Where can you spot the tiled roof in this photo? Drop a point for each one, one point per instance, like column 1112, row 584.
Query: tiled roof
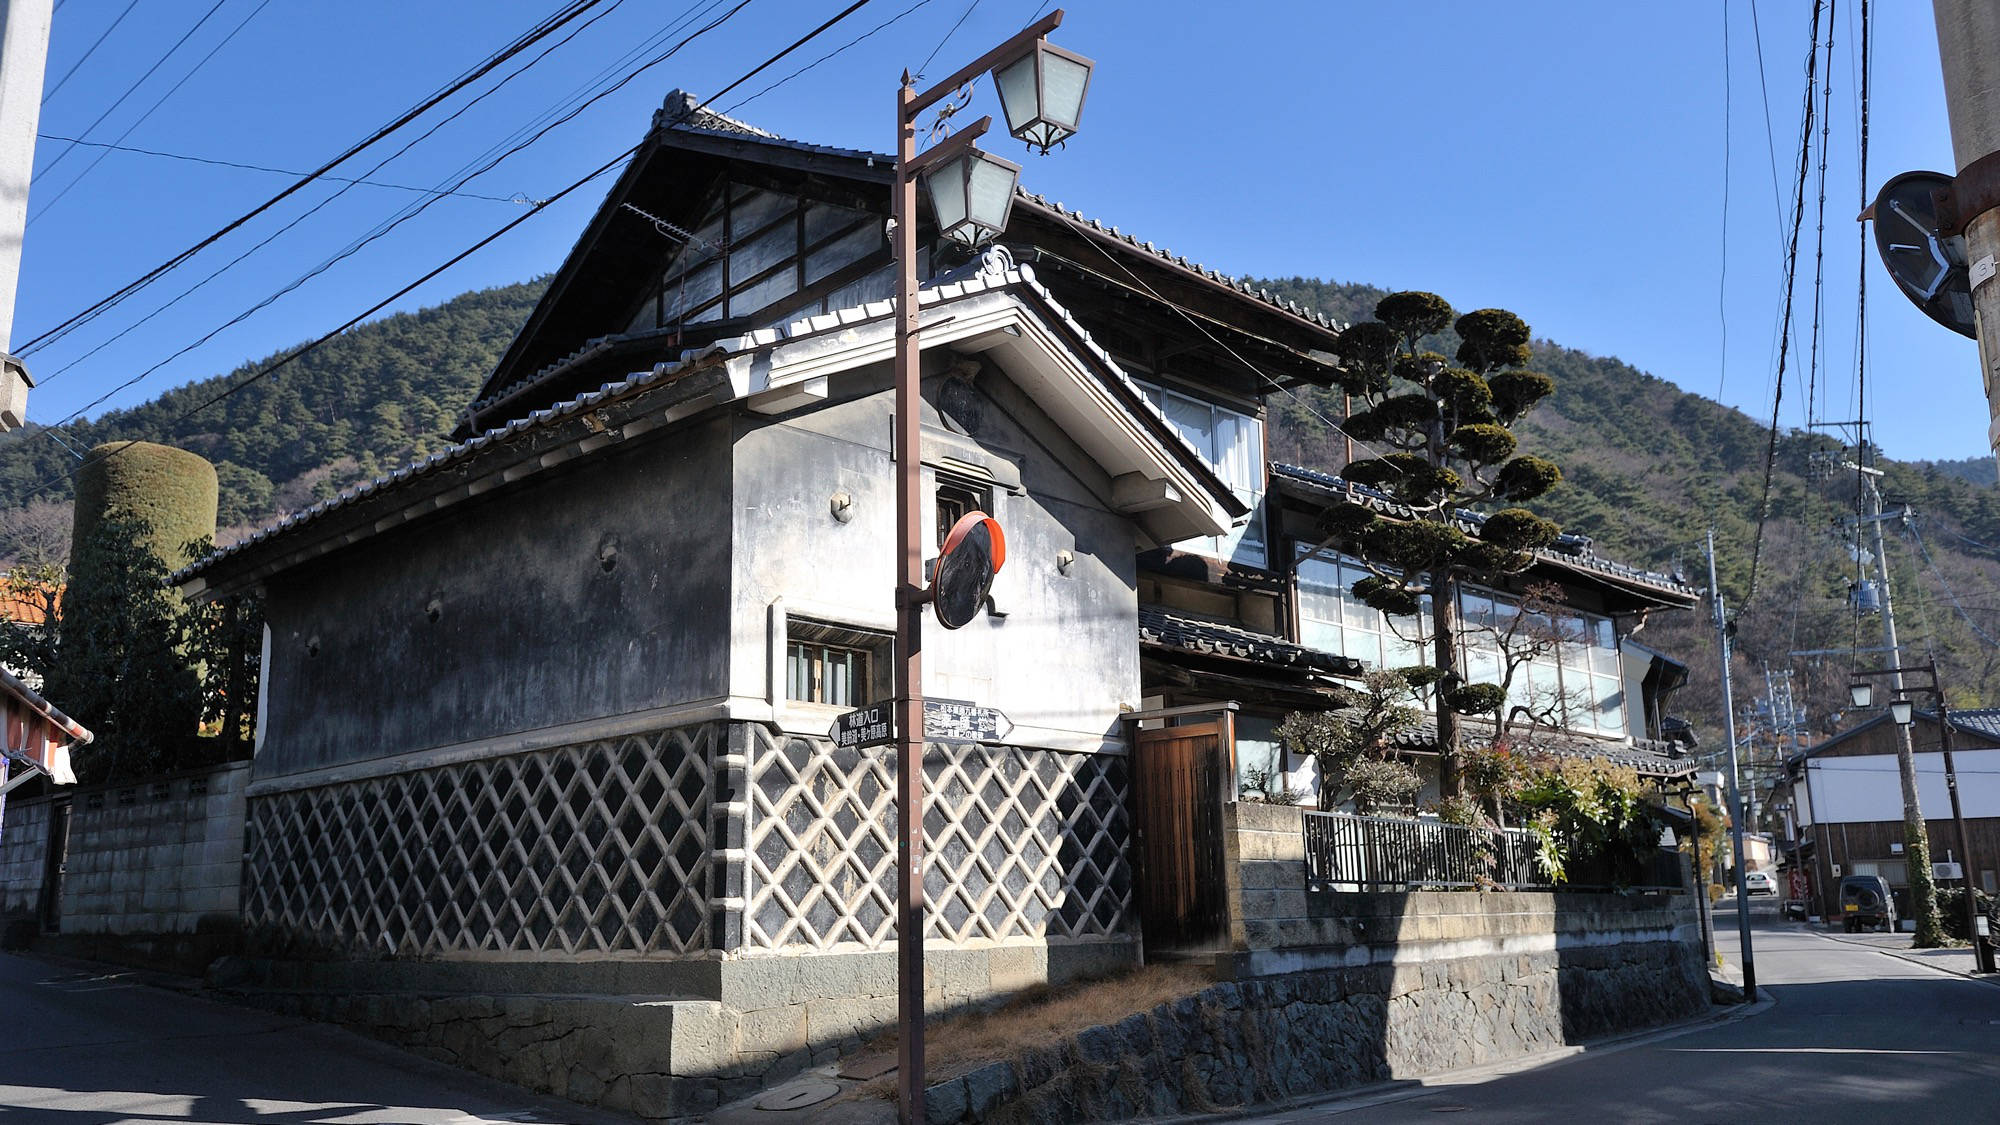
column 658, row 375
column 1569, row 550
column 27, row 607
column 1171, row 258
column 1021, row 277
column 1166, row 628
column 1649, row 758
column 1984, row 721
column 682, row 111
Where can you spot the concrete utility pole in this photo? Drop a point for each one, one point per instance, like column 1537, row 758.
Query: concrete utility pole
column 1916, row 838
column 24, row 49
column 1969, row 50
column 1723, row 646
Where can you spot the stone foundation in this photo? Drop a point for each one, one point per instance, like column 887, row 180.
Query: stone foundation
column 730, row 1028
column 1245, row 1042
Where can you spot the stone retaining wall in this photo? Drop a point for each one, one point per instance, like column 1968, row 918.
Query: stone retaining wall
column 1333, row 990
column 1243, row 1042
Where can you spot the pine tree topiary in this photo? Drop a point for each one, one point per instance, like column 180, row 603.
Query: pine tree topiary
column 1448, row 453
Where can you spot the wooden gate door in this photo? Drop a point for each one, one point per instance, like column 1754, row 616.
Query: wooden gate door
column 1178, row 785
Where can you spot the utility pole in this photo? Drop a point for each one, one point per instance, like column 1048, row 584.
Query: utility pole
column 24, row 51
column 1735, row 785
column 1969, row 50
column 1916, row 838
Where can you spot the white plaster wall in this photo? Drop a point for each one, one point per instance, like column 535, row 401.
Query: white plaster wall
column 1866, row 787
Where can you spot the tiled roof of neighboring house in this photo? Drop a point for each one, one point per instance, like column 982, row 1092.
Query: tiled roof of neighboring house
column 452, row 455
column 1981, row 721
column 1185, row 632
column 1649, row 758
column 1162, row 253
column 1570, row 550
column 26, row 607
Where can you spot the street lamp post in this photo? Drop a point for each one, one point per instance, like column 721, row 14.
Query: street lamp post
column 1903, row 713
column 1041, row 93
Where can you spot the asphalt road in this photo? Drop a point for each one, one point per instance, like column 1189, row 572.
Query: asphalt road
column 1855, row 1035
column 89, row 1047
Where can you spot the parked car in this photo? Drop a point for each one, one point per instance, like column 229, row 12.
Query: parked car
column 1759, row 883
column 1865, row 903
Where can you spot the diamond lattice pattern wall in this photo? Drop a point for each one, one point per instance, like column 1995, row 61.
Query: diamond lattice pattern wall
column 600, row 847
column 1022, row 843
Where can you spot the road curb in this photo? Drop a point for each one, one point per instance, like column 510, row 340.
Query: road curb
column 1903, row 955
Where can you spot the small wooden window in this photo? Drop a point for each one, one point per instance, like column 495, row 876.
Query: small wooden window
column 831, row 674
column 955, row 497
column 834, row 665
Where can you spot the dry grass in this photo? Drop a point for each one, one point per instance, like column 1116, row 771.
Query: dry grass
column 1045, row 1014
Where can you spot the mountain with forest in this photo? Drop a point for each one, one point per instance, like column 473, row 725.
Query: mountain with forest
column 376, row 397
column 1648, row 468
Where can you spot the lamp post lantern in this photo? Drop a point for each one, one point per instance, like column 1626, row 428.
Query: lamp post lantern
column 1903, row 711
column 971, row 196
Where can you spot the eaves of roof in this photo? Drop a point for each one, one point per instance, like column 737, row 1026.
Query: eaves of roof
column 33, row 701
column 683, row 112
column 1160, row 627
column 1979, row 722
column 1648, row 758
column 585, row 436
column 1573, row 553
column 682, row 118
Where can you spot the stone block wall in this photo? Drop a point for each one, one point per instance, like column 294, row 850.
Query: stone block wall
column 163, row 856
column 1278, row 925
column 1240, row 1043
column 24, row 839
column 154, row 857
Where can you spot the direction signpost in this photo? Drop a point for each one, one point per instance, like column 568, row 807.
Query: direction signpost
column 874, row 725
column 945, row 720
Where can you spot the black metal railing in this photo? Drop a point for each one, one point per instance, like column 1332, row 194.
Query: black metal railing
column 1379, row 852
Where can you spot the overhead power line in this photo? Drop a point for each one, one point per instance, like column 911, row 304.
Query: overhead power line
column 151, row 109
column 292, row 356
column 295, row 354
column 87, row 51
column 349, row 183
column 130, row 90
column 1785, row 324
column 217, row 162
column 383, row 229
column 570, row 10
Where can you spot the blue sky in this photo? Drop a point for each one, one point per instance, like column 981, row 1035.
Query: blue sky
column 1565, row 160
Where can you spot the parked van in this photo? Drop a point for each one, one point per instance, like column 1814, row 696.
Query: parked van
column 1865, row 904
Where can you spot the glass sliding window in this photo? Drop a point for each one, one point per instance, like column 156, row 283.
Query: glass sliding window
column 1332, row 619
column 1232, row 444
column 1574, row 679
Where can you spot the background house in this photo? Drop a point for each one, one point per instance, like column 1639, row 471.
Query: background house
column 1846, row 801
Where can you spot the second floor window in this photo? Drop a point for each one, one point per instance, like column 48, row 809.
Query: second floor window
column 1232, row 444
column 1567, row 671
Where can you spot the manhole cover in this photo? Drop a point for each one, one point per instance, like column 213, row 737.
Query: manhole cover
column 799, row 1095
